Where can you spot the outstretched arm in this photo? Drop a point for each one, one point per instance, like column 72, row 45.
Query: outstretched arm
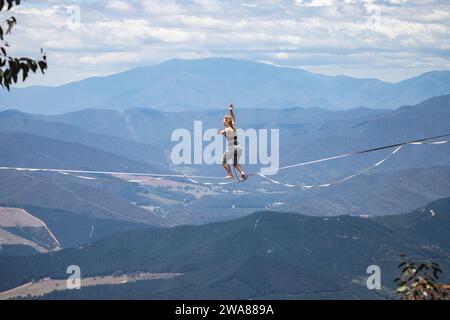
column 231, row 107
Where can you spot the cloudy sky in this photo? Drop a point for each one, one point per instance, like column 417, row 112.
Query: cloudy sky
column 387, row 39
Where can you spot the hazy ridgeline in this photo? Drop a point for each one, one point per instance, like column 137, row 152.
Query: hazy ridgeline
column 115, row 124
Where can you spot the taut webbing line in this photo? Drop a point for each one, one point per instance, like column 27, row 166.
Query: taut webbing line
column 419, row 141
column 302, row 186
column 192, row 178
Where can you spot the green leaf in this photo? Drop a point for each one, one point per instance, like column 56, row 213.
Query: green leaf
column 402, row 289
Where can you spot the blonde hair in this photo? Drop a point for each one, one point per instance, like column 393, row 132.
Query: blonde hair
column 229, row 121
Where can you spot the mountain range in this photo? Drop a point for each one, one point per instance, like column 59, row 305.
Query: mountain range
column 205, row 84
column 266, row 255
column 110, row 140
column 206, row 241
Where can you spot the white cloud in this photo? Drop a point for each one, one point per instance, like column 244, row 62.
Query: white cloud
column 320, row 3
column 118, row 5
column 346, row 35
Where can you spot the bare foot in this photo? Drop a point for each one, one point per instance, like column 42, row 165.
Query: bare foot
column 229, row 177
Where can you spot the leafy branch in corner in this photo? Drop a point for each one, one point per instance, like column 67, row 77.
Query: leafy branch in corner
column 420, row 281
column 12, row 67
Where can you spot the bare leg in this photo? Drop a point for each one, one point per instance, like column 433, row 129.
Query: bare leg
column 239, row 167
column 228, row 170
